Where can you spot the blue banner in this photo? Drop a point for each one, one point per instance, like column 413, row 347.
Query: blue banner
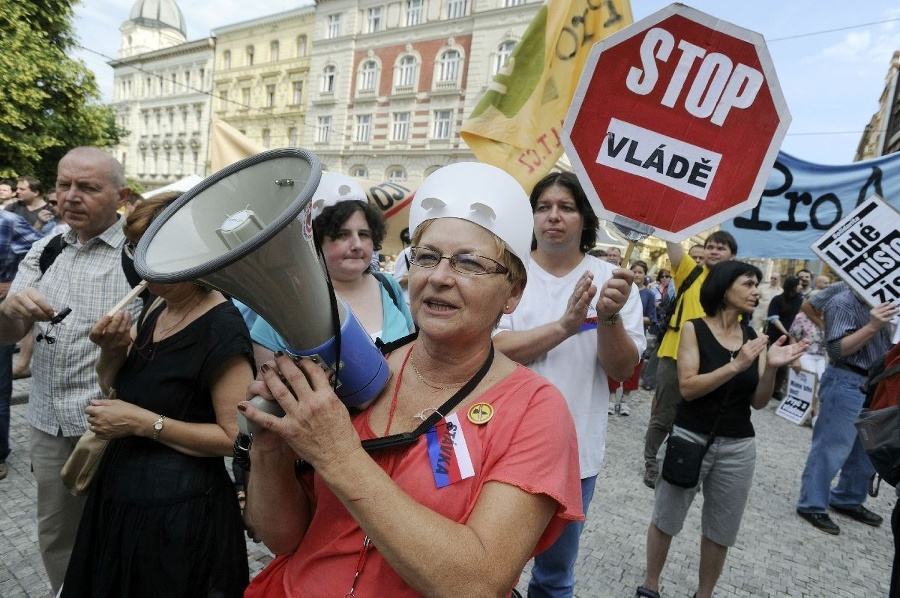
column 802, row 200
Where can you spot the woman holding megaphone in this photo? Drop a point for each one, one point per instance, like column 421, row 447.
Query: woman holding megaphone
column 456, row 510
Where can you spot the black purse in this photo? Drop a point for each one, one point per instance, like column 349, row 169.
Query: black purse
column 684, row 457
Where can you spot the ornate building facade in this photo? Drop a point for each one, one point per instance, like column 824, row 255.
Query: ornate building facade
column 261, row 76
column 393, row 81
column 882, row 135
column 162, row 95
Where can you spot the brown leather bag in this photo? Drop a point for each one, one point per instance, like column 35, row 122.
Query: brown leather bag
column 81, row 466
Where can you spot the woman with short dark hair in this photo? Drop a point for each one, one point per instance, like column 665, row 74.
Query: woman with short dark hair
column 724, row 369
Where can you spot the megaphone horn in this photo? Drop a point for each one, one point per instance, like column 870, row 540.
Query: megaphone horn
column 238, row 231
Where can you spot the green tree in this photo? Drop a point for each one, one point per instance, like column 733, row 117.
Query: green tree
column 49, row 102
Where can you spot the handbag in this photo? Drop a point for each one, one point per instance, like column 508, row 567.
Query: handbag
column 81, row 466
column 684, row 457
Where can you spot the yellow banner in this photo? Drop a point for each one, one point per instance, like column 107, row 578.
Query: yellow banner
column 516, row 126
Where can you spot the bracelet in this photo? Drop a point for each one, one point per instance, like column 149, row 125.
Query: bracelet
column 610, row 321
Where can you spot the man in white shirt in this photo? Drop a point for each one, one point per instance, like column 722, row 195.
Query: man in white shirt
column 579, row 321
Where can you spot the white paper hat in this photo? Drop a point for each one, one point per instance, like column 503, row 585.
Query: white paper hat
column 334, row 188
column 482, row 194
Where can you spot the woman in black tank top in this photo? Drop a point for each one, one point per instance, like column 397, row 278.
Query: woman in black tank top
column 724, row 369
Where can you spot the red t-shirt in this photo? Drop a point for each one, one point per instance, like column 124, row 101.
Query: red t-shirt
column 529, row 443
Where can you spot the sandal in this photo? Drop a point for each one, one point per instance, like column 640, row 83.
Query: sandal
column 643, row 592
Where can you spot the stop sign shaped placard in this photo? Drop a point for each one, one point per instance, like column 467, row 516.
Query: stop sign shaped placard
column 676, row 123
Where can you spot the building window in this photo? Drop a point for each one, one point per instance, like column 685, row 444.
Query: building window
column 456, row 8
column 323, row 129
column 297, row 93
column 334, row 26
column 202, row 77
column 187, row 79
column 328, row 77
column 293, row 137
column 373, row 20
column 448, row 71
column 442, row 121
column 250, row 52
column 359, row 172
column 367, row 75
column 503, row 54
column 301, row 46
column 266, row 138
column 400, row 126
column 509, row 3
column 273, row 51
column 406, row 72
column 226, row 59
column 270, row 96
column 414, row 10
column 245, row 97
column 396, row 174
column 363, row 127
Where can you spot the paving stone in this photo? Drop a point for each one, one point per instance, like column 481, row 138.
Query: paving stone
column 777, row 553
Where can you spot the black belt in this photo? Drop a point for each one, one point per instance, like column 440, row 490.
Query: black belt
column 843, row 365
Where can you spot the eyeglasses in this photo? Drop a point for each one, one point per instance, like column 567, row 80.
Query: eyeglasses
column 664, row 276
column 464, row 263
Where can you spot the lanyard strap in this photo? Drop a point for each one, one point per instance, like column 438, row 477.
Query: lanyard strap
column 406, row 438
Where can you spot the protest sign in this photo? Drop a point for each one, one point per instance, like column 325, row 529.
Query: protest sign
column 797, row 403
column 864, row 250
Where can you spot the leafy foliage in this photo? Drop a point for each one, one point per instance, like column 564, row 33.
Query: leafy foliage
column 49, row 102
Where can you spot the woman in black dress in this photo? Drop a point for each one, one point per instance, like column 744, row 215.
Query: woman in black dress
column 162, row 518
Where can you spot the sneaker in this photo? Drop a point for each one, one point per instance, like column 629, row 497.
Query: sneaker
column 3, row 470
column 624, row 409
column 611, row 410
column 650, row 478
column 860, row 513
column 822, row 522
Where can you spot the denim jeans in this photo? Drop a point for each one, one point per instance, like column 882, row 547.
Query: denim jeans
column 836, row 447
column 6, row 356
column 553, row 573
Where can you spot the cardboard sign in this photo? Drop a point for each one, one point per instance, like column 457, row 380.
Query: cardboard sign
column 864, row 250
column 797, row 403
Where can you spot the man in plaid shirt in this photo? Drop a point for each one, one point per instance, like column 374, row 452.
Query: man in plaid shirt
column 87, row 277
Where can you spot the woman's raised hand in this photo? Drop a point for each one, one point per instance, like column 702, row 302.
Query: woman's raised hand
column 750, row 351
column 782, row 354
column 112, row 333
column 316, row 425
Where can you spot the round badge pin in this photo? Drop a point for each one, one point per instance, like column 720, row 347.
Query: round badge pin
column 480, row 413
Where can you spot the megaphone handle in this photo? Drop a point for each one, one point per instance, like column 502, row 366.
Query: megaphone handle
column 271, row 407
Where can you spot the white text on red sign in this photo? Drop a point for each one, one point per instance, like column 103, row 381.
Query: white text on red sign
column 716, row 88
column 668, row 161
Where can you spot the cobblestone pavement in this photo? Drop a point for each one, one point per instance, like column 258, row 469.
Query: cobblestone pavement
column 777, row 553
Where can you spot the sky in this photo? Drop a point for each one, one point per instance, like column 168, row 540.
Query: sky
column 831, row 56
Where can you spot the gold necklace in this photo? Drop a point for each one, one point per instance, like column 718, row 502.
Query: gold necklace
column 165, row 332
column 424, row 381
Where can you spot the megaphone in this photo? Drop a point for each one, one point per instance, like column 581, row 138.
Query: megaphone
column 238, row 231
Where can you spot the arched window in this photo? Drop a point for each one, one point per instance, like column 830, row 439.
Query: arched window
column 273, row 51
column 406, row 72
column 448, row 71
column 396, row 174
column 359, row 171
column 367, row 75
column 503, row 54
column 329, row 74
column 226, row 59
column 250, row 52
column 301, row 46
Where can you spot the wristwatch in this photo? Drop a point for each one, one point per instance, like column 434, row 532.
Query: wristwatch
column 158, row 426
column 610, row 321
